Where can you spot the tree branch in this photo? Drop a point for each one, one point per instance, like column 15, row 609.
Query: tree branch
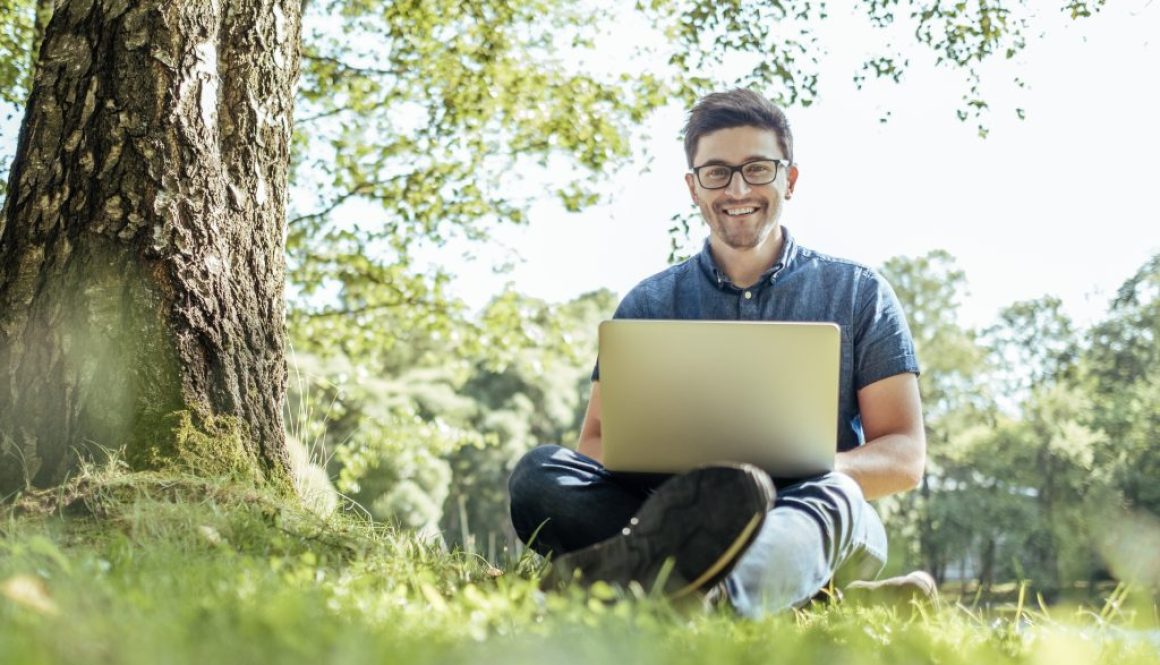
column 359, row 190
column 365, row 71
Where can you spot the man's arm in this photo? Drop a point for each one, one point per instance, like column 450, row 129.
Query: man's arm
column 590, row 431
column 894, row 455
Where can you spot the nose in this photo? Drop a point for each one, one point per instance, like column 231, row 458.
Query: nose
column 737, row 186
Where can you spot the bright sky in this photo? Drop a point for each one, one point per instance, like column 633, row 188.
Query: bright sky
column 1061, row 203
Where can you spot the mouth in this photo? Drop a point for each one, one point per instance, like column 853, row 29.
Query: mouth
column 738, row 211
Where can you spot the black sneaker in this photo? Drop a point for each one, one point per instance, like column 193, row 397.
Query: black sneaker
column 702, row 521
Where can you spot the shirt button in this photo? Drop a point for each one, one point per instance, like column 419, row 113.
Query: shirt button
column 748, row 295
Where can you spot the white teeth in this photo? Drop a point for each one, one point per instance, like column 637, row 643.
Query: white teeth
column 739, row 211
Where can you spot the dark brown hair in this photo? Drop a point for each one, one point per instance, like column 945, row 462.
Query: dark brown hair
column 736, row 108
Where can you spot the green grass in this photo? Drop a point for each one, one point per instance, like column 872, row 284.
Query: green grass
column 150, row 569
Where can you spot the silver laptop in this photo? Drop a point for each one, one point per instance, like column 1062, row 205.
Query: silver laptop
column 679, row 394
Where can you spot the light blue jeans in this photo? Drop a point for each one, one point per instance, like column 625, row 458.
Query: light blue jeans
column 818, row 529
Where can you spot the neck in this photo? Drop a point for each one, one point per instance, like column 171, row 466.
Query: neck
column 745, row 266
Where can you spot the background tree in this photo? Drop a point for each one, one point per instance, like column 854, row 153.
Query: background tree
column 539, row 397
column 22, row 24
column 1023, row 498
column 439, row 119
column 1033, row 343
column 1121, row 370
column 430, row 441
column 929, row 288
column 1033, row 350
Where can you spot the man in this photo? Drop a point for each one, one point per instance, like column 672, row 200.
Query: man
column 723, row 524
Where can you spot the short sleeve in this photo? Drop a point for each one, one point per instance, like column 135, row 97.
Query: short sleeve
column 883, row 345
column 633, row 306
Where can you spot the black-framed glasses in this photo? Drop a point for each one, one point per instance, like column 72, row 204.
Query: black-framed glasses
column 756, row 172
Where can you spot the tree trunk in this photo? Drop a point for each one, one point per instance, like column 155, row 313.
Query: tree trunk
column 927, row 545
column 987, row 567
column 1048, row 554
column 141, row 245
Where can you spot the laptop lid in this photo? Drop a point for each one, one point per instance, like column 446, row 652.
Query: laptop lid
column 680, row 394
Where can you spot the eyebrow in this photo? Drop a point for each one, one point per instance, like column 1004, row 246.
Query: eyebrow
column 751, row 158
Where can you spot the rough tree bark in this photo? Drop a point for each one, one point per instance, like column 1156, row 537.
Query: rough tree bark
column 141, row 245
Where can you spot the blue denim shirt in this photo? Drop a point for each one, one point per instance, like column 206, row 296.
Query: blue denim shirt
column 802, row 285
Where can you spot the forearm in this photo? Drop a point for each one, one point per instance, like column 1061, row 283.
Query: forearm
column 590, row 431
column 887, row 465
column 591, row 446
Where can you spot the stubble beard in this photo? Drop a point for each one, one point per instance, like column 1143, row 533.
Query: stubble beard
column 742, row 238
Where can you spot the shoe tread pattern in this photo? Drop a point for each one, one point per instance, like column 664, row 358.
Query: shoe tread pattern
column 695, row 519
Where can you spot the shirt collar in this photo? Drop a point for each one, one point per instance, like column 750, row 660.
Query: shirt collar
column 787, row 255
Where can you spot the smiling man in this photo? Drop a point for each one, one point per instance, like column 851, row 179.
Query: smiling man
column 760, row 543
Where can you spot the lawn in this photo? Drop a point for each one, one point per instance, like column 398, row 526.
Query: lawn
column 139, row 568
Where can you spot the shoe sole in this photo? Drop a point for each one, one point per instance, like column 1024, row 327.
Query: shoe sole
column 916, row 585
column 703, row 521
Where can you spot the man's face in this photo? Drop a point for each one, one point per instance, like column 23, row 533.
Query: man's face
column 740, row 215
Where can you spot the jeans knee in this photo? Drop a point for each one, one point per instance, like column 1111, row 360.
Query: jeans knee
column 869, row 532
column 528, row 471
column 527, row 486
column 833, row 491
column 837, row 503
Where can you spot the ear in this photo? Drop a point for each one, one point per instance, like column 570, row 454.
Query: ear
column 691, row 181
column 791, row 180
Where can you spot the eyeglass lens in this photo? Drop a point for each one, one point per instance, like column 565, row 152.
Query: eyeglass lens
column 716, row 176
